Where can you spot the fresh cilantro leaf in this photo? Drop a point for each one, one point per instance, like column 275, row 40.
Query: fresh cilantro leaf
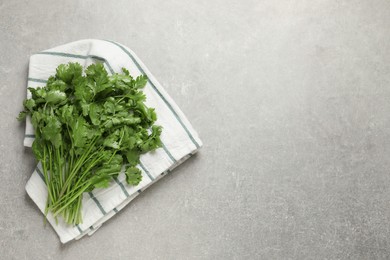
column 140, row 81
column 132, row 157
column 79, row 132
column 55, row 96
column 37, row 148
column 29, row 104
column 125, row 71
column 68, row 72
column 94, row 113
column 133, row 176
column 103, row 183
column 22, row 115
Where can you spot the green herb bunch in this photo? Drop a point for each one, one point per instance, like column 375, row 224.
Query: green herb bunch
column 87, row 127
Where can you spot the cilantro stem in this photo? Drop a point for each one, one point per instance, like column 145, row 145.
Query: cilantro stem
column 69, row 201
column 74, row 171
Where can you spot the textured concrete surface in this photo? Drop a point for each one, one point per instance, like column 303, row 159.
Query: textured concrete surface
column 292, row 101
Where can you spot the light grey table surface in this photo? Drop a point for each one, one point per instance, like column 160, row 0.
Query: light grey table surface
column 292, row 102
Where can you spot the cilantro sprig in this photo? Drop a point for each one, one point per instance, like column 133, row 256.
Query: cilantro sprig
column 88, row 126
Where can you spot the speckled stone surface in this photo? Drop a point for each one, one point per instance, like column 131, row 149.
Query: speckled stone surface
column 292, row 102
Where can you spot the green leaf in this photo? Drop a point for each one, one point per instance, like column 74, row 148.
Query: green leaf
column 63, row 73
column 52, row 131
column 152, row 115
column 82, row 92
column 140, row 81
column 153, row 141
column 112, row 166
column 98, row 73
column 55, row 96
column 22, row 115
column 132, row 157
column 109, row 107
column 68, row 72
column 58, row 85
column 37, row 93
column 29, row 104
column 79, row 132
column 103, row 183
column 37, row 148
column 94, row 113
column 37, row 119
column 84, row 108
column 125, row 71
column 110, row 142
column 65, row 114
column 133, row 176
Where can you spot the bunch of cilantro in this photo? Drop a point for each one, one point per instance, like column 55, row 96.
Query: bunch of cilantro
column 87, row 127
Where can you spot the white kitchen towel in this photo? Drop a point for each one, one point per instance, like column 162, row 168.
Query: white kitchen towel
column 179, row 139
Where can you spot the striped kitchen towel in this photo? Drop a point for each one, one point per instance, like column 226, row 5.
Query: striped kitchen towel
column 179, row 139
